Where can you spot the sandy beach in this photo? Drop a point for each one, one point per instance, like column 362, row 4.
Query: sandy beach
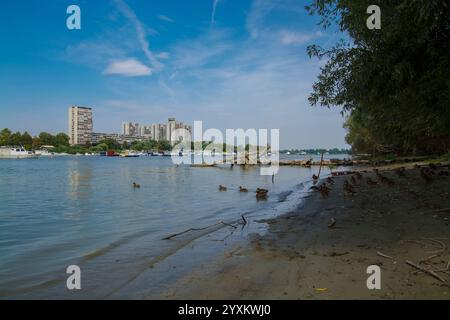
column 322, row 249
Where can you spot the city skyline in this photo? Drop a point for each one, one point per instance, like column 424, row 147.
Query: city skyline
column 242, row 65
column 80, row 129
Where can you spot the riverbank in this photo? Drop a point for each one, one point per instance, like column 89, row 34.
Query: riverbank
column 322, row 249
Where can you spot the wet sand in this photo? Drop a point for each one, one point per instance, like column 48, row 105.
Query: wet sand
column 301, row 257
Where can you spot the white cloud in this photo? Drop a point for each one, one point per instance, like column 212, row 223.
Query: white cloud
column 213, row 13
column 165, row 18
column 295, row 38
column 141, row 33
column 162, row 55
column 128, row 68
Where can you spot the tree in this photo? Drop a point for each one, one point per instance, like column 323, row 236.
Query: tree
column 164, row 145
column 111, row 143
column 392, row 84
column 36, row 143
column 16, row 139
column 61, row 139
column 46, row 138
column 5, row 137
column 26, row 140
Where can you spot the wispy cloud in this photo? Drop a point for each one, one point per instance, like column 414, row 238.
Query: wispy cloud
column 297, row 38
column 213, row 13
column 141, row 34
column 257, row 19
column 162, row 55
column 128, row 68
column 207, row 49
column 165, row 18
column 259, row 9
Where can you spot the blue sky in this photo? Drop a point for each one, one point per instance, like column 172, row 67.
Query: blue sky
column 230, row 63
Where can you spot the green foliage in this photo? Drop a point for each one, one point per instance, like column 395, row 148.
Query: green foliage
column 317, row 151
column 5, row 137
column 392, row 84
column 111, row 143
column 164, row 145
column 46, row 138
column 61, row 139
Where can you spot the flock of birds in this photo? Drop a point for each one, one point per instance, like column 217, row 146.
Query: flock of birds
column 260, row 192
column 426, row 172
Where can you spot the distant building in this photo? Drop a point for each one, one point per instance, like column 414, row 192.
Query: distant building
column 97, row 137
column 130, row 129
column 80, row 125
column 145, row 131
column 170, row 128
column 158, row 131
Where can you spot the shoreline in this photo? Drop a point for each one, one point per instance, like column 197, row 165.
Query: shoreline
column 301, row 257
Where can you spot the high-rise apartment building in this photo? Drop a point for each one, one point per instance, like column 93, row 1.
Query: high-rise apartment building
column 80, row 125
column 171, row 123
column 158, row 131
column 130, row 129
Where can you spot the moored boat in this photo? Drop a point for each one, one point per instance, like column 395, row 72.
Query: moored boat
column 16, row 153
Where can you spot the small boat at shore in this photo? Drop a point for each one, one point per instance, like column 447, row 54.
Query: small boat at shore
column 16, row 153
column 129, row 154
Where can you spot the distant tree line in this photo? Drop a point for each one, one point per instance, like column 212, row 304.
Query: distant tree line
column 392, row 84
column 318, row 151
column 8, row 138
column 60, row 143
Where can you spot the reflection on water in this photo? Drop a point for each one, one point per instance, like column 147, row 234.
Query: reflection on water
column 80, row 176
column 84, row 210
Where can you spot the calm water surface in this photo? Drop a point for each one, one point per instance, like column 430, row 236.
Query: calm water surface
column 59, row 211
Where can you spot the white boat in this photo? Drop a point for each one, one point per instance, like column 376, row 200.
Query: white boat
column 44, row 153
column 129, row 154
column 16, row 153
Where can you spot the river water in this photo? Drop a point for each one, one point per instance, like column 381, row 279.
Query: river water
column 79, row 210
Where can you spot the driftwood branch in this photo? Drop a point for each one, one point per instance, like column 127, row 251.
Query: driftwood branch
column 430, row 272
column 228, row 224
column 381, row 254
column 188, row 230
column 243, row 222
column 321, row 162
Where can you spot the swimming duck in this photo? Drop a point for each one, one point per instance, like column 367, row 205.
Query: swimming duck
column 242, row 189
column 222, row 188
column 136, row 186
column 261, row 193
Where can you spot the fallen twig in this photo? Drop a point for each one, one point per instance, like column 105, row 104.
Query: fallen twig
column 384, row 255
column 228, row 224
column 429, row 258
column 443, row 246
column 430, row 272
column 188, row 230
